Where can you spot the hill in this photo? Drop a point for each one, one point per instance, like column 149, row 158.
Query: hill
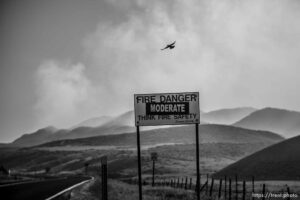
column 280, row 161
column 209, row 133
column 284, row 122
column 94, row 122
column 123, row 123
column 220, row 146
column 125, row 119
column 107, row 126
column 226, row 116
column 44, row 134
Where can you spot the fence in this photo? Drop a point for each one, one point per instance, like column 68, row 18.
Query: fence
column 226, row 188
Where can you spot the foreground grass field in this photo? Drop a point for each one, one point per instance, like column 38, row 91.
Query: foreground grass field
column 174, row 161
column 118, row 190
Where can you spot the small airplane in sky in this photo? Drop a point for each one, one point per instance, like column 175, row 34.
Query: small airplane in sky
column 170, row 46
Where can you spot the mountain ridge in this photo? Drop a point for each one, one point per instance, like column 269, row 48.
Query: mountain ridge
column 281, row 121
column 227, row 115
column 209, row 133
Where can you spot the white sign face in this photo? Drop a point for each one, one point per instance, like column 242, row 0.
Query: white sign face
column 166, row 109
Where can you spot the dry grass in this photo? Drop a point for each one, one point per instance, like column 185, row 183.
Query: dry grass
column 86, row 191
column 118, row 190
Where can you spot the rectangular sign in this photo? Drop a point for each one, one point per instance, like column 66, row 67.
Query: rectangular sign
column 166, row 109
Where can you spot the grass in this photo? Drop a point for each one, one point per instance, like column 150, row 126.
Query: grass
column 118, row 190
column 173, row 161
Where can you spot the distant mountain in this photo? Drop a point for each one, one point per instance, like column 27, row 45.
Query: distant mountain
column 120, row 124
column 226, row 116
column 38, row 137
column 94, row 122
column 125, row 119
column 284, row 122
column 44, row 135
column 280, row 161
column 181, row 134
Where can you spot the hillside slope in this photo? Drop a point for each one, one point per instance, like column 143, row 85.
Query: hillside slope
column 280, row 161
column 181, row 134
column 120, row 124
column 284, row 122
column 226, row 116
column 94, row 122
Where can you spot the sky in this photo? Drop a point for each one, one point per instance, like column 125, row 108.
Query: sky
column 64, row 61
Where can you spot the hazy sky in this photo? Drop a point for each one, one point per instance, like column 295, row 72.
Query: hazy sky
column 63, row 61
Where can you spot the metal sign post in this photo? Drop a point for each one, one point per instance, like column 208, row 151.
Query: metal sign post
column 167, row 109
column 197, row 162
column 139, row 162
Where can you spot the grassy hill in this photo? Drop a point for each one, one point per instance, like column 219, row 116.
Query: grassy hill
column 94, row 122
column 209, row 133
column 105, row 125
column 220, row 146
column 284, row 122
column 280, row 161
column 226, row 116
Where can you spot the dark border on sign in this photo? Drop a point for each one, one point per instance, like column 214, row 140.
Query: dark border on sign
column 165, row 94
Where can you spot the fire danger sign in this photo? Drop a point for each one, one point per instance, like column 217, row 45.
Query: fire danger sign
column 166, row 109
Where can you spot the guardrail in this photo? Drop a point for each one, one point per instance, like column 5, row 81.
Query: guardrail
column 68, row 190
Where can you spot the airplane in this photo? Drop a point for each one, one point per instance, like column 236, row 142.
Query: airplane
column 170, row 46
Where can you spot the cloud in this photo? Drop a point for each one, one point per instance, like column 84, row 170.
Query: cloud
column 226, row 50
column 233, row 52
column 65, row 95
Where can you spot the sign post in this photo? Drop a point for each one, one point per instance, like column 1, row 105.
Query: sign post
column 167, row 109
column 139, row 162
column 197, row 162
column 153, row 158
column 104, row 177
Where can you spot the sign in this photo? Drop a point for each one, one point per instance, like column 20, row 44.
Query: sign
column 166, row 109
column 103, row 160
column 154, row 156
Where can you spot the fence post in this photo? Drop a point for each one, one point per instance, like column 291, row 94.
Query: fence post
column 236, row 188
column 288, row 191
column 178, row 182
column 206, row 184
column 190, row 183
column 244, row 190
column 181, row 185
column 252, row 187
column 211, row 187
column 186, row 181
column 229, row 188
column 220, row 188
column 225, row 187
column 264, row 191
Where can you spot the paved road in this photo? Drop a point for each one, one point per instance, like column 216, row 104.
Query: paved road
column 39, row 190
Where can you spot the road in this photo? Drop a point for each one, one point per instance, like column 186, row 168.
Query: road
column 38, row 190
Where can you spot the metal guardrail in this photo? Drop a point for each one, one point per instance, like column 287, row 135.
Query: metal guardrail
column 68, row 189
